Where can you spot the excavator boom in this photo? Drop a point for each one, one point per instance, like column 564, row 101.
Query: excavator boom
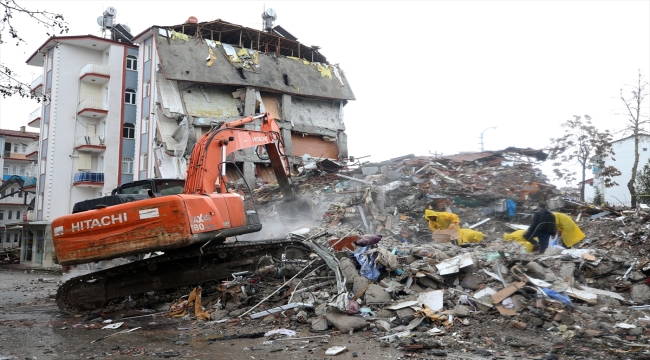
column 214, row 147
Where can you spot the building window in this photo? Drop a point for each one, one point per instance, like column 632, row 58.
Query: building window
column 147, row 52
column 16, row 237
column 16, row 148
column 128, row 131
column 1, row 236
column 24, row 148
column 22, row 170
column 129, row 96
column 15, row 169
column 5, row 170
column 132, row 62
column 143, row 162
column 127, row 165
column 2, row 214
column 20, row 193
column 10, row 214
column 18, row 215
column 145, row 124
column 147, row 88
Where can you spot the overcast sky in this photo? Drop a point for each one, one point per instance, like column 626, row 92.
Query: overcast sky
column 428, row 76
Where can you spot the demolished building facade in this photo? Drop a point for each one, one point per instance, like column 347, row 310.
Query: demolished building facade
column 196, row 75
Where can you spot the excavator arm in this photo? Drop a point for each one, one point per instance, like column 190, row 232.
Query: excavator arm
column 207, row 169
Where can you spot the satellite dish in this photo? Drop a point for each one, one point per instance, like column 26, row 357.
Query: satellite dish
column 269, row 14
column 100, row 21
column 110, row 11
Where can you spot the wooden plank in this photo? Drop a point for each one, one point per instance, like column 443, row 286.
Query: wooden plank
column 507, row 291
column 270, row 101
column 314, row 146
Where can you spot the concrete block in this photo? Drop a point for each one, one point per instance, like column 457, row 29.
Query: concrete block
column 376, row 294
column 640, row 293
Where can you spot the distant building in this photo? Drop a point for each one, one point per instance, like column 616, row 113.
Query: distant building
column 86, row 125
column 196, row 74
column 624, row 154
column 18, row 187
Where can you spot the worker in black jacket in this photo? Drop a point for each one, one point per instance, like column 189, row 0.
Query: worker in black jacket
column 542, row 227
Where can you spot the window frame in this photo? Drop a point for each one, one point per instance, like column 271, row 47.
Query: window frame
column 143, row 161
column 145, row 124
column 128, row 129
column 127, row 166
column 130, row 96
column 132, row 60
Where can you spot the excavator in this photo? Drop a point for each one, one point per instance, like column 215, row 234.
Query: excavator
column 189, row 229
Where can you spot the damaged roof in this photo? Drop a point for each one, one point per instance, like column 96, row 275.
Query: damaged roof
column 276, row 62
column 538, row 155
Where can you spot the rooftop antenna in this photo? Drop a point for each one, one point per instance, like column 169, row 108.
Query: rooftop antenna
column 107, row 20
column 269, row 17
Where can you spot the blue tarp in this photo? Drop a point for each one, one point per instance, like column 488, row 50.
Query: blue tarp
column 27, row 180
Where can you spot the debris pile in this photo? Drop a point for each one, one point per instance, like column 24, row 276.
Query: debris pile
column 10, row 255
column 375, row 266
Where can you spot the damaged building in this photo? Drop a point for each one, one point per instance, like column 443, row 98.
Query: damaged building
column 196, row 75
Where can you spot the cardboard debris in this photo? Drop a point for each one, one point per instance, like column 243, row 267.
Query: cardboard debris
column 505, row 311
column 507, row 291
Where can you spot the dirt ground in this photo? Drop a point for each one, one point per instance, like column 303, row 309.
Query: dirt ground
column 32, row 327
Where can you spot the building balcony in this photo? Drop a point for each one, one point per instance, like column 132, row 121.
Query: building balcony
column 90, row 143
column 32, row 151
column 8, row 155
column 92, row 108
column 34, row 119
column 89, row 179
column 36, row 87
column 94, row 74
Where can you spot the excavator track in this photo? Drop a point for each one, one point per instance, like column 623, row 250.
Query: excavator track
column 167, row 277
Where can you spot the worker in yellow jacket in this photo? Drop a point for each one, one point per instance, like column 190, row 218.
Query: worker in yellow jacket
column 518, row 236
column 470, row 236
column 441, row 220
column 571, row 233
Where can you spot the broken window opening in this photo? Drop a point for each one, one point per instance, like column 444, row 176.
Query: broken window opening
column 285, row 77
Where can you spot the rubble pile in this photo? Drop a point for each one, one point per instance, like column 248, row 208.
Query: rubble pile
column 10, row 255
column 375, row 267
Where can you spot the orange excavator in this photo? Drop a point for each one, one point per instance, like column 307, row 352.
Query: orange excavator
column 190, row 228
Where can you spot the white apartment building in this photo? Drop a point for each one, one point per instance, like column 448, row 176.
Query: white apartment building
column 624, row 154
column 86, row 126
column 16, row 193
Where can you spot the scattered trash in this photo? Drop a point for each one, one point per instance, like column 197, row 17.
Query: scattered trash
column 335, row 350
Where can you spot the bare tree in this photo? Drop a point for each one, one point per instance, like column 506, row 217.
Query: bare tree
column 53, row 23
column 582, row 145
column 634, row 96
